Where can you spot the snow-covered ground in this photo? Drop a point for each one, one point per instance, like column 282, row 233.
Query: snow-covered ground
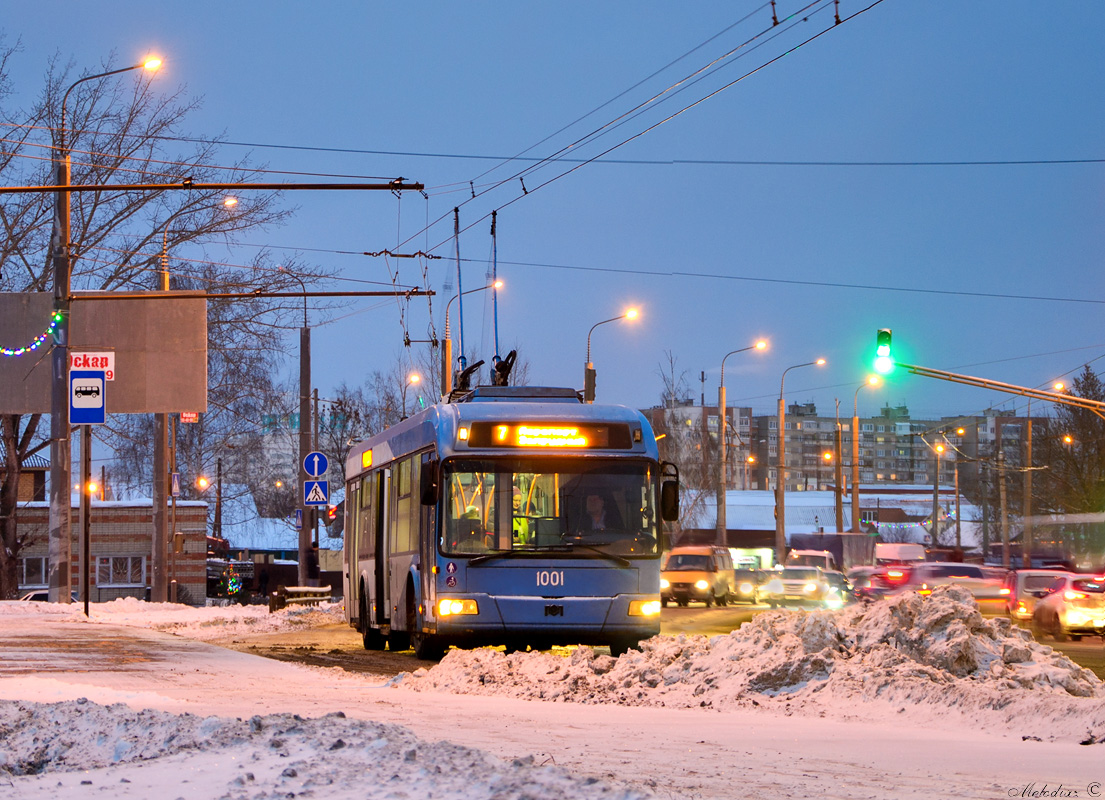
column 910, row 697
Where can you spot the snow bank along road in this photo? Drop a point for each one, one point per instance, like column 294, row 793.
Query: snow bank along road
column 910, row 698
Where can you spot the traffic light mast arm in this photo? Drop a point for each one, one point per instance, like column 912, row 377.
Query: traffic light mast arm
column 1096, row 406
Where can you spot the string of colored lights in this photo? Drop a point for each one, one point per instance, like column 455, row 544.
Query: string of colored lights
column 37, row 342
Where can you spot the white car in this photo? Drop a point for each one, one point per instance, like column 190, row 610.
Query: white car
column 43, row 595
column 795, row 585
column 1075, row 608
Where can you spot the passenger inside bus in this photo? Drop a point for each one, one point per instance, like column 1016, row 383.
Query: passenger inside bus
column 521, row 522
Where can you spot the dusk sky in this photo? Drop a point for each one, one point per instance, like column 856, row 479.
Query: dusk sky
column 937, row 168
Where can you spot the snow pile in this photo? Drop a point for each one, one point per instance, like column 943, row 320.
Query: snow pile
column 908, row 651
column 207, row 623
column 277, row 755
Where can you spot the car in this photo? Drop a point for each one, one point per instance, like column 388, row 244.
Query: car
column 840, row 591
column 1022, row 589
column 795, row 585
column 923, row 578
column 749, row 585
column 43, row 596
column 1074, row 607
column 703, row 573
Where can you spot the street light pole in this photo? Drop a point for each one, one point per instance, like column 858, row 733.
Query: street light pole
column 781, row 471
column 872, row 381
column 60, row 545
column 722, row 482
column 589, row 367
column 305, row 511
column 447, row 349
column 936, row 451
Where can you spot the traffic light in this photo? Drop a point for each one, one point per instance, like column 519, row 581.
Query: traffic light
column 884, row 361
column 331, row 514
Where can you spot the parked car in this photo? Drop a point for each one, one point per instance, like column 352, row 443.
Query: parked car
column 1024, row 587
column 1075, row 607
column 749, row 585
column 795, row 585
column 840, row 591
column 703, row 573
column 43, row 595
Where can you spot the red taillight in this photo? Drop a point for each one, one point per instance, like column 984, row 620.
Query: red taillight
column 1003, row 590
column 1069, row 595
column 896, row 576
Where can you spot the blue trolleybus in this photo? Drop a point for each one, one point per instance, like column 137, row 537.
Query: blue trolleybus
column 514, row 516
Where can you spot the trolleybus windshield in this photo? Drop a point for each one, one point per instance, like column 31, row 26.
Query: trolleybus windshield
column 497, row 505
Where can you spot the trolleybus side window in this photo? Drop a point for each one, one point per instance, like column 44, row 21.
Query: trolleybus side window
column 366, row 514
column 404, row 527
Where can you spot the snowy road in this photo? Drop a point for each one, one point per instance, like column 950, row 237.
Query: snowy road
column 776, row 752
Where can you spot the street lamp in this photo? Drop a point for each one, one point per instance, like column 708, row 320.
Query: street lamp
column 60, row 542
column 722, row 483
column 413, row 380
column 589, row 369
column 937, row 449
column 447, row 350
column 781, row 476
column 306, row 512
column 872, row 381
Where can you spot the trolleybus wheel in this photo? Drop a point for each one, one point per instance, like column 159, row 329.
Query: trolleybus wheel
column 426, row 646
column 372, row 638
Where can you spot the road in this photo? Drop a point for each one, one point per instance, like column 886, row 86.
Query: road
column 340, row 646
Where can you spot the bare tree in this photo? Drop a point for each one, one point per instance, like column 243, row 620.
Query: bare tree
column 125, row 130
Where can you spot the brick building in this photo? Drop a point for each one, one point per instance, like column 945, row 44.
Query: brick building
column 121, row 543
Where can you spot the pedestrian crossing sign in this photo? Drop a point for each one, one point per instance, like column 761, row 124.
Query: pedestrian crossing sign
column 316, row 493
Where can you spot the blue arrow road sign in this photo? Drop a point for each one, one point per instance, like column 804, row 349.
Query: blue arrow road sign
column 316, row 493
column 315, row 464
column 87, row 404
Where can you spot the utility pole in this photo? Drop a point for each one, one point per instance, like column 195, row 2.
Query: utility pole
column 1026, row 536
column 159, row 577
column 60, row 538
column 839, row 473
column 722, row 483
column 304, row 444
column 1004, row 510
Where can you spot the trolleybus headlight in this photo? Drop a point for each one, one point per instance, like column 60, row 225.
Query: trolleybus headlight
column 451, row 607
column 701, row 584
column 664, row 583
column 644, row 608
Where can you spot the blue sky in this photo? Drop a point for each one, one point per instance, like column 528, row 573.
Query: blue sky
column 714, row 254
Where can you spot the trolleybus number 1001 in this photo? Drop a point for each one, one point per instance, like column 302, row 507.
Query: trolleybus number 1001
column 550, row 577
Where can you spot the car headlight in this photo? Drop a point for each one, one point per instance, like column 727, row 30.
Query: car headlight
column 834, row 601
column 644, row 608
column 450, row 607
column 702, row 585
column 664, row 583
column 746, row 588
column 810, row 588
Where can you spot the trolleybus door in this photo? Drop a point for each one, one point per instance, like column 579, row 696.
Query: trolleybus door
column 382, row 566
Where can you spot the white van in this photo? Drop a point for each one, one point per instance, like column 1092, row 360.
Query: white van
column 887, row 553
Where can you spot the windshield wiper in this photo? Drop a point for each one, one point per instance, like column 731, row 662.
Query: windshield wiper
column 501, row 554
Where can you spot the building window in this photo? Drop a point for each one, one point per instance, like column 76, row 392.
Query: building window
column 881, row 465
column 880, row 453
column 867, row 427
column 118, row 571
column 32, row 572
column 772, row 450
column 772, row 424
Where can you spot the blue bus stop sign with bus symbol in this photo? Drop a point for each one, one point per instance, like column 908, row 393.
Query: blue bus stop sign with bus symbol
column 87, row 404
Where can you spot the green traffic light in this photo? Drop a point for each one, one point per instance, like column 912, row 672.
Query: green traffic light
column 884, row 362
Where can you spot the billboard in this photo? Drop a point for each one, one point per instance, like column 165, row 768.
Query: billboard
column 159, row 342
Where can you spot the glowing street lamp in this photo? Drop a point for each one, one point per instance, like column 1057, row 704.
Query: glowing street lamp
column 589, row 368
column 781, row 475
column 60, row 541
column 722, row 522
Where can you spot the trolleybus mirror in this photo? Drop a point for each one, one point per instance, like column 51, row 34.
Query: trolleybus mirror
column 669, row 492
column 429, row 488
